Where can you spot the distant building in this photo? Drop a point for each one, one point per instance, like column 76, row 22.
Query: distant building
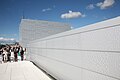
column 30, row 30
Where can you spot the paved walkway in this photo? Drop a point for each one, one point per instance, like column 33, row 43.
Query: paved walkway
column 23, row 70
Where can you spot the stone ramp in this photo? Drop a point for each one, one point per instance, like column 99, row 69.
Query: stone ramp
column 23, row 70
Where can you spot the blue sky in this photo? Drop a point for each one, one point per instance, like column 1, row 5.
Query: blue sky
column 78, row 13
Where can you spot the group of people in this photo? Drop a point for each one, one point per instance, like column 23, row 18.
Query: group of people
column 12, row 53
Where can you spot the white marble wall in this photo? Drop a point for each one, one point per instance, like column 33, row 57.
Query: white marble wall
column 88, row 53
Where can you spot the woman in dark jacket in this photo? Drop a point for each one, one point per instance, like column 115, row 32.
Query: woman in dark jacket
column 15, row 53
column 22, row 54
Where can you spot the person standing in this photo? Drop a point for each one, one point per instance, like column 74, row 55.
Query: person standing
column 1, row 56
column 25, row 53
column 8, row 55
column 5, row 55
column 22, row 54
column 12, row 54
column 19, row 54
column 15, row 54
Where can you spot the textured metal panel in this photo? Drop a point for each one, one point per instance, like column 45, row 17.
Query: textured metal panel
column 36, row 29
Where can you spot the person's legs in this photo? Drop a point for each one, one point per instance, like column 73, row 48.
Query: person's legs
column 5, row 58
column 21, row 57
column 2, row 57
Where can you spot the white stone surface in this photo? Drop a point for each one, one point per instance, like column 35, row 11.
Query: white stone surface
column 23, row 70
column 88, row 53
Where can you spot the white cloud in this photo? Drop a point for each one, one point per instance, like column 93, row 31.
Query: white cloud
column 72, row 27
column 105, row 4
column 90, row 6
column 99, row 4
column 47, row 9
column 71, row 15
column 2, row 40
column 83, row 15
